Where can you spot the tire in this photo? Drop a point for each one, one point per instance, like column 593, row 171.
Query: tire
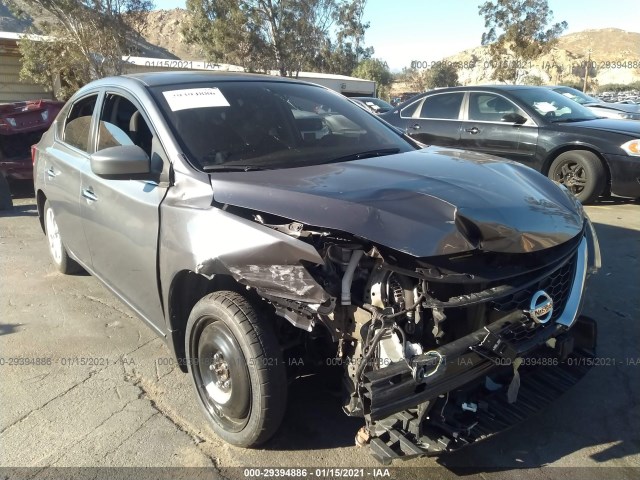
column 581, row 172
column 6, row 203
column 58, row 252
column 236, row 366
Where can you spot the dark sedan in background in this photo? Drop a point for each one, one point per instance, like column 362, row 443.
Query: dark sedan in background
column 536, row 126
column 376, row 105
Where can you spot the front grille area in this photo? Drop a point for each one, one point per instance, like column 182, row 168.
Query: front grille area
column 557, row 285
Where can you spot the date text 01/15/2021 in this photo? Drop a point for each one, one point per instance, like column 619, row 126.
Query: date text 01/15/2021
column 323, row 472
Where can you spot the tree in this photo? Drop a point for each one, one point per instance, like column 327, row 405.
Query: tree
column 440, row 75
column 283, row 35
column 518, row 32
column 415, row 79
column 376, row 70
column 345, row 53
column 532, row 80
column 83, row 40
column 226, row 33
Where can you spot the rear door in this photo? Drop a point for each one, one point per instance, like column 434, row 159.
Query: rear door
column 485, row 129
column 64, row 161
column 121, row 216
column 436, row 119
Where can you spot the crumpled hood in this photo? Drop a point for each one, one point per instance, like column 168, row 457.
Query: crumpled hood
column 429, row 202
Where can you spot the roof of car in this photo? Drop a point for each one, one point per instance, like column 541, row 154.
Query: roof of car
column 501, row 88
column 155, row 79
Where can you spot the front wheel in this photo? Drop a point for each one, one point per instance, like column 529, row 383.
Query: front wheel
column 581, row 172
column 236, row 366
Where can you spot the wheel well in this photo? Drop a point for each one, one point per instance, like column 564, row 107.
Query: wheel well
column 187, row 288
column 568, row 148
column 40, row 199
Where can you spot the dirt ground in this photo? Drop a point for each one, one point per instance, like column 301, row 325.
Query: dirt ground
column 99, row 390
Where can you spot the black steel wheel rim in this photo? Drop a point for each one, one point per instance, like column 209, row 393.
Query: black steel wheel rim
column 221, row 375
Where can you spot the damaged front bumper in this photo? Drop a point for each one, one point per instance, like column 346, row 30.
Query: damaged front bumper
column 468, row 400
column 482, row 383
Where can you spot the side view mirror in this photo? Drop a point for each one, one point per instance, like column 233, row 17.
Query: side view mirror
column 120, row 161
column 513, row 118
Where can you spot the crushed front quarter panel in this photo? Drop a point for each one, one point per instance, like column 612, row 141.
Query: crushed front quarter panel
column 212, row 241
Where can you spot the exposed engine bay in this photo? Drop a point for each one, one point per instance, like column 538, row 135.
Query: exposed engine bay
column 433, row 349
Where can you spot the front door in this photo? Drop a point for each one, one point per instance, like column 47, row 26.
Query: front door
column 121, row 216
column 487, row 128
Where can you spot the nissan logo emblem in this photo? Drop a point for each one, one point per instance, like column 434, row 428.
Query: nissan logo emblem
column 541, row 307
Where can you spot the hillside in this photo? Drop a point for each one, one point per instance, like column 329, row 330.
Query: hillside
column 164, row 29
column 140, row 46
column 615, row 58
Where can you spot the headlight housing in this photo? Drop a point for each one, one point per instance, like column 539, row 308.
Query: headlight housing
column 632, row 147
column 593, row 246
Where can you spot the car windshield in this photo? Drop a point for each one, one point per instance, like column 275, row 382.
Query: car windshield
column 235, row 125
column 576, row 95
column 552, row 106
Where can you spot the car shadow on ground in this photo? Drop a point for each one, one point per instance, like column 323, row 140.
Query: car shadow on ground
column 9, row 328
column 314, row 418
column 596, row 418
column 29, row 210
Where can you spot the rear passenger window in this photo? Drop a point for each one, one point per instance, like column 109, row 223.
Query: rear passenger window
column 78, row 124
column 443, row 106
column 410, row 110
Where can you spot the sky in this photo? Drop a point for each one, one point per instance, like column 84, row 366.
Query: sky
column 402, row 31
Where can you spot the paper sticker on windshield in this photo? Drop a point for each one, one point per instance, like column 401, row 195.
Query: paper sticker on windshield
column 195, row 98
column 544, row 107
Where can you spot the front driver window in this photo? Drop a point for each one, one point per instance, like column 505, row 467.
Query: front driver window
column 121, row 123
column 488, row 107
column 111, row 136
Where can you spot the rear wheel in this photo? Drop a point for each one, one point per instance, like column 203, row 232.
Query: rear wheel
column 61, row 259
column 236, row 366
column 581, row 172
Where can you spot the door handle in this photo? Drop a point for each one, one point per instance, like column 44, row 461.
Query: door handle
column 51, row 173
column 472, row 130
column 416, row 126
column 89, row 195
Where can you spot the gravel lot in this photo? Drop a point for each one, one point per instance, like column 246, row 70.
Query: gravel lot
column 128, row 408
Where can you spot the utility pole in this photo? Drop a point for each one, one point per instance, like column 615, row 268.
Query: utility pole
column 586, row 71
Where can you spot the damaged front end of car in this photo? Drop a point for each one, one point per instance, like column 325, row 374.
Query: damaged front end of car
column 445, row 337
column 443, row 351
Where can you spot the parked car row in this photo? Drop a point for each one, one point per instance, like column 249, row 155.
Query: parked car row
column 536, row 126
column 248, row 226
column 630, row 96
column 624, row 111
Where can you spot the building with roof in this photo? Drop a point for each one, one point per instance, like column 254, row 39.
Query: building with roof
column 13, row 89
